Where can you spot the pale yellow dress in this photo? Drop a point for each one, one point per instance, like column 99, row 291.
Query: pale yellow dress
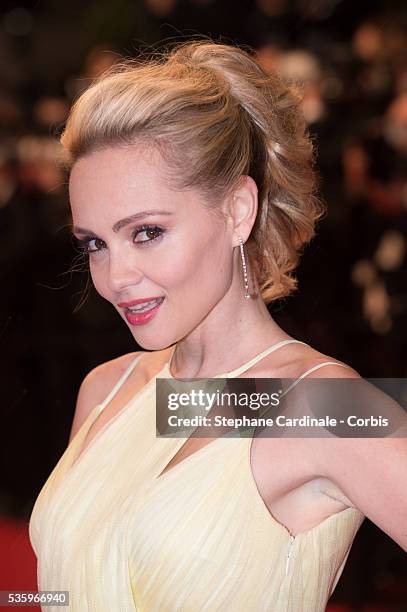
column 119, row 537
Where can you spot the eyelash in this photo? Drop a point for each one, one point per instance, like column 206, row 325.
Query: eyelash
column 83, row 245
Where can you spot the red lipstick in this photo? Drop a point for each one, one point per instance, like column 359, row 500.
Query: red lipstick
column 140, row 318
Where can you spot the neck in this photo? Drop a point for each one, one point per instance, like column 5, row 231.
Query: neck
column 226, row 339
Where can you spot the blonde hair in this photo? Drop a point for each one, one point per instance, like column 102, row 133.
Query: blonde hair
column 216, row 116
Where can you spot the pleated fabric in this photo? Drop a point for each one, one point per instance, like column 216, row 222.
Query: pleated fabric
column 108, row 528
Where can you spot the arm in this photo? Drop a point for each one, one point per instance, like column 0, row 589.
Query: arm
column 370, row 472
column 95, row 387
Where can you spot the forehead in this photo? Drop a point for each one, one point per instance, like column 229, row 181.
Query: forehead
column 118, row 174
column 116, row 182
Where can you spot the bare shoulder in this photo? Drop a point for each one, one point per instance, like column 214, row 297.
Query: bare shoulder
column 294, row 360
column 307, row 362
column 351, row 467
column 98, row 383
column 324, row 366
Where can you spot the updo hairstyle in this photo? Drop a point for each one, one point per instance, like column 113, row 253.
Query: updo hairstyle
column 214, row 115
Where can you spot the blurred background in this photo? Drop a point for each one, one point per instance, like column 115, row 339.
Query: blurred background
column 351, row 59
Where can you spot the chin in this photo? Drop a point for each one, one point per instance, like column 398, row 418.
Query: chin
column 154, row 345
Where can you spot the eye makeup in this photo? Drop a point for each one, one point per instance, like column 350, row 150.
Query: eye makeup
column 85, row 244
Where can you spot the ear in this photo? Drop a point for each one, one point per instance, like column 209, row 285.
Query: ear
column 243, row 208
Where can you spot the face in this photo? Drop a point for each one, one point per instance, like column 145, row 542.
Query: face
column 147, row 241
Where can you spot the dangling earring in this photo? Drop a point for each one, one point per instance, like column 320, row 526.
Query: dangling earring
column 246, row 284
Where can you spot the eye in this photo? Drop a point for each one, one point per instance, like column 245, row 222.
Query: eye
column 148, row 230
column 90, row 244
column 95, row 245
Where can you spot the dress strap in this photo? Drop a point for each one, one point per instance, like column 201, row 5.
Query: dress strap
column 315, row 367
column 260, row 356
column 119, row 383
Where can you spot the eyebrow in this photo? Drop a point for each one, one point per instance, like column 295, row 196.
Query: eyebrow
column 126, row 221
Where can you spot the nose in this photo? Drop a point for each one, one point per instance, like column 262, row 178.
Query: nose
column 123, row 272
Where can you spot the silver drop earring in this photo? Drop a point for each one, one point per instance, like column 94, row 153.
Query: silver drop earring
column 246, row 284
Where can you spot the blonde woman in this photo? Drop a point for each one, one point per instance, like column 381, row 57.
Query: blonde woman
column 192, row 192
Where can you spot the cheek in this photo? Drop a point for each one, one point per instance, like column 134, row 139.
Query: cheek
column 194, row 265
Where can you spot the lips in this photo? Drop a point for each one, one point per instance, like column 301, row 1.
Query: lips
column 140, row 301
column 141, row 318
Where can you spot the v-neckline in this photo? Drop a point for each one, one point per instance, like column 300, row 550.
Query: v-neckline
column 164, row 472
column 167, row 374
column 231, row 374
column 162, row 476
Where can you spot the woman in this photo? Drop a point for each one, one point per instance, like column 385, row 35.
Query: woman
column 192, row 190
